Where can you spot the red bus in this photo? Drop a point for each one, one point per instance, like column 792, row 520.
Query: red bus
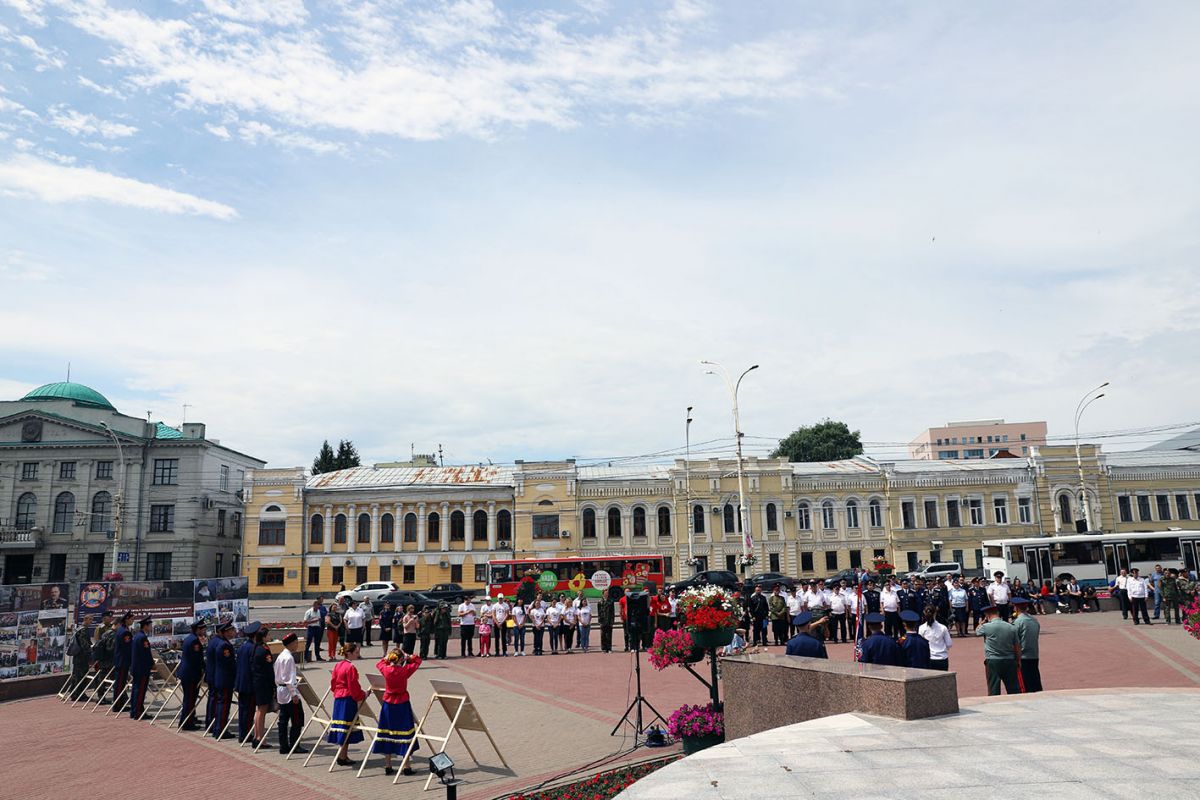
column 524, row 577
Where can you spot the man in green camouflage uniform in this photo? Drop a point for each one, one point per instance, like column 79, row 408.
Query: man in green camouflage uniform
column 441, row 629
column 425, row 630
column 778, row 612
column 1169, row 587
column 81, row 656
column 1187, row 590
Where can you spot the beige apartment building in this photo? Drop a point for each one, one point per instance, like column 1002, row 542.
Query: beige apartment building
column 982, row 438
column 420, row 525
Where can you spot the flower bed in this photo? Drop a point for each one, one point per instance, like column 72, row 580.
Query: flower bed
column 597, row 787
column 1191, row 620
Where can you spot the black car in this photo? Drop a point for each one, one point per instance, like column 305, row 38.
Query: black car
column 767, row 581
column 403, row 599
column 713, row 577
column 846, row 575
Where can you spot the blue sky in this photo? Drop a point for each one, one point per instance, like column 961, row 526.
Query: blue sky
column 515, row 229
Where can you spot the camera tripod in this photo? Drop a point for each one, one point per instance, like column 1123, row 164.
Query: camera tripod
column 640, row 723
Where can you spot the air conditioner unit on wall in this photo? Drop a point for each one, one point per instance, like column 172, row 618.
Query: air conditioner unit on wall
column 444, row 564
column 787, row 515
column 716, row 509
column 564, row 534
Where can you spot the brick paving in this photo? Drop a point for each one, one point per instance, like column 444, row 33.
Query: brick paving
column 548, row 714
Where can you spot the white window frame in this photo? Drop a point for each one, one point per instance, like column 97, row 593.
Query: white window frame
column 875, row 512
column 974, row 511
column 804, row 515
column 1000, row 509
column 1025, row 510
column 828, row 515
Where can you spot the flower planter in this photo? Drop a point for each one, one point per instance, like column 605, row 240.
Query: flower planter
column 706, row 640
column 694, row 744
column 697, row 655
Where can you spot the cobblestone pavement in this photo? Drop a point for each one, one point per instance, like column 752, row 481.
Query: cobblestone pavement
column 548, row 714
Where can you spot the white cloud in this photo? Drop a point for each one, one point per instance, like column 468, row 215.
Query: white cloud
column 46, row 58
column 79, row 124
column 16, row 265
column 273, row 12
column 107, row 91
column 253, row 132
column 54, row 183
column 219, row 131
column 30, row 10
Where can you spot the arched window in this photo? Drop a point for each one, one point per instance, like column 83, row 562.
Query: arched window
column 26, row 511
column 272, row 509
column 387, row 529
column 876, row 509
column 639, row 521
column 364, row 528
column 851, row 513
column 339, row 529
column 804, row 517
column 664, row 521
column 64, row 512
column 435, row 527
column 458, row 526
column 410, row 527
column 772, row 517
column 589, row 523
column 101, row 512
column 1064, row 509
column 316, row 529
column 827, row 520
column 728, row 518
column 698, row 519
column 504, row 525
column 479, row 526
column 614, row 523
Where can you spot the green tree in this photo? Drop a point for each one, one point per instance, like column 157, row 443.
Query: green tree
column 347, row 455
column 325, row 461
column 825, row 441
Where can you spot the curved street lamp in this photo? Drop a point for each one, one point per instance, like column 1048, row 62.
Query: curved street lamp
column 743, row 511
column 1084, row 402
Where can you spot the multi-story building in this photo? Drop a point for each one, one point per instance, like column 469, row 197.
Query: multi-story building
column 425, row 525
column 77, row 476
column 982, row 438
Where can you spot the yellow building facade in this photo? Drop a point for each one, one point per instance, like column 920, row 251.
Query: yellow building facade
column 417, row 526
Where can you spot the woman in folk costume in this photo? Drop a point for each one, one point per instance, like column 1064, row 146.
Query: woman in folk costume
column 396, row 723
column 347, row 694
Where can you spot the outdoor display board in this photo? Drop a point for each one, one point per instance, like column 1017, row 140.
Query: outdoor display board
column 33, row 629
column 173, row 605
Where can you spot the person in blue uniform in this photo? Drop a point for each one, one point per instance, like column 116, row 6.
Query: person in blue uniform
column 262, row 676
column 189, row 672
column 914, row 645
column 121, row 657
column 879, row 648
column 210, row 677
column 918, row 597
column 245, row 683
column 804, row 643
column 871, row 598
column 224, row 680
column 141, row 661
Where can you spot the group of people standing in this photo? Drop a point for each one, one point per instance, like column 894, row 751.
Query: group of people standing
column 1171, row 591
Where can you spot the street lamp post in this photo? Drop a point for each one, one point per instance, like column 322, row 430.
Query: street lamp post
column 743, row 511
column 1086, row 401
column 687, row 488
column 119, row 498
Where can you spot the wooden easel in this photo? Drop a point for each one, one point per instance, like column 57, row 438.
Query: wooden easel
column 316, row 713
column 378, row 686
column 456, row 703
column 162, row 678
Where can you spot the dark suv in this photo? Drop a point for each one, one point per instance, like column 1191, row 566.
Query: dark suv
column 713, row 577
column 404, row 599
column 768, row 580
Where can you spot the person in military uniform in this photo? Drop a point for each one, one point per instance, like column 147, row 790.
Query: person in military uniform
column 1001, row 652
column 262, row 677
column 606, row 611
column 778, row 611
column 1169, row 589
column 804, row 643
column 244, row 682
column 441, row 629
column 914, row 645
column 141, row 661
column 425, row 630
column 759, row 609
column 189, row 671
column 123, row 638
column 878, row 647
column 224, row 680
column 1186, row 588
column 870, row 598
column 80, row 651
column 210, row 677
column 1028, row 631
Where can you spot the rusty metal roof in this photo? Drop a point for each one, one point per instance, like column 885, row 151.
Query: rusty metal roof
column 370, row 477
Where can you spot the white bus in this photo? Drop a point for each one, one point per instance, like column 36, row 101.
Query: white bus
column 1091, row 559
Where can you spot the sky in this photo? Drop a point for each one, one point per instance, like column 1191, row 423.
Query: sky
column 515, row 229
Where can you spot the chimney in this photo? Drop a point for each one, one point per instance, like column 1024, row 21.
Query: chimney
column 193, row 430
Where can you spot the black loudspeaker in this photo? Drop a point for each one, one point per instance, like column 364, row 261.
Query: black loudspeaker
column 637, row 607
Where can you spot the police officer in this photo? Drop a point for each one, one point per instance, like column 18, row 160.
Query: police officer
column 879, row 648
column 245, row 682
column 1028, row 631
column 262, row 674
column 804, row 643
column 871, row 598
column 141, row 661
column 1001, row 652
column 123, row 638
column 224, row 680
column 914, row 645
column 189, row 672
column 210, row 677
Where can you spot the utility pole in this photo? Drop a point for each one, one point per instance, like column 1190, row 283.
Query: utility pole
column 743, row 511
column 1087, row 400
column 687, row 488
column 119, row 498
column 441, row 460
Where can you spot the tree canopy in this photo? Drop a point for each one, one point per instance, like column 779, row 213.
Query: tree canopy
column 827, row 440
column 328, row 461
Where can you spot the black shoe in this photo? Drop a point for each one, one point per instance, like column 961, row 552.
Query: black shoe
column 345, row 762
column 406, row 771
column 389, row 771
column 226, row 735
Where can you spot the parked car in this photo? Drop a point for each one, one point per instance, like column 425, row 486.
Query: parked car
column 767, row 581
column 713, row 577
column 846, row 575
column 937, row 570
column 450, row 592
column 404, row 599
column 367, row 591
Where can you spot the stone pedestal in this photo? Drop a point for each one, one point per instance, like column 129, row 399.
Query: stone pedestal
column 767, row 691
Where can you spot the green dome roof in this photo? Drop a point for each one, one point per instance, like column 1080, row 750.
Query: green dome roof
column 83, row 395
